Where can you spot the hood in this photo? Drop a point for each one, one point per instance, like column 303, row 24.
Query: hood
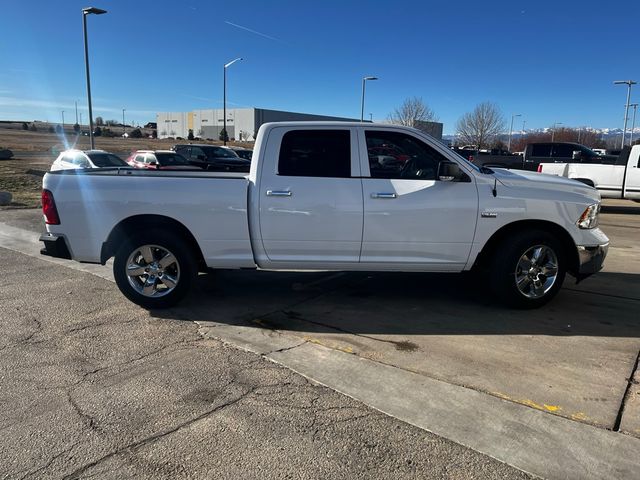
column 526, row 179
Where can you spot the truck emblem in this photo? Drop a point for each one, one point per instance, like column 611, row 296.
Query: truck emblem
column 488, row 214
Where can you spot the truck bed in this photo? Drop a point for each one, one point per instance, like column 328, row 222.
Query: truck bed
column 211, row 205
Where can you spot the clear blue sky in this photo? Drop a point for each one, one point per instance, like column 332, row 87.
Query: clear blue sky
column 550, row 61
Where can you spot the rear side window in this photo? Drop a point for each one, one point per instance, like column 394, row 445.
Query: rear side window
column 543, row 150
column 315, row 153
column 563, row 151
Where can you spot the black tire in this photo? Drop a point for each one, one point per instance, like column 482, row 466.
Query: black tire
column 505, row 269
column 183, row 270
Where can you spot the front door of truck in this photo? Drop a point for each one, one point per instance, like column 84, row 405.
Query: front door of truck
column 410, row 217
column 310, row 196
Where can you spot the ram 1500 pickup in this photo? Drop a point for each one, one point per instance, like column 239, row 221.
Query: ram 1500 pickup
column 329, row 196
column 618, row 180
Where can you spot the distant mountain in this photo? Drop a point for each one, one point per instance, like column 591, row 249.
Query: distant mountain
column 605, row 133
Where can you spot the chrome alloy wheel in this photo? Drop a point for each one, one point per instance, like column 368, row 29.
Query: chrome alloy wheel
column 536, row 271
column 153, row 271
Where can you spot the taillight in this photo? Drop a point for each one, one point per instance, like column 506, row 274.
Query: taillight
column 49, row 209
column 540, row 168
column 471, row 158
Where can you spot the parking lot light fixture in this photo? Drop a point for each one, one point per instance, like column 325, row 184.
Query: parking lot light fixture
column 364, row 80
column 511, row 129
column 89, row 11
column 553, row 130
column 224, row 99
column 124, row 130
column 628, row 83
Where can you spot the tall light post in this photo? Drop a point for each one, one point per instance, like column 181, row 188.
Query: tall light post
column 628, row 83
column 76, row 111
column 62, row 121
column 633, row 123
column 224, row 99
column 124, row 130
column 85, row 12
column 364, row 80
column 511, row 129
column 553, row 131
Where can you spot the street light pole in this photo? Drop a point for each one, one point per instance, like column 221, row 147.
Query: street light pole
column 553, row 131
column 364, row 79
column 628, row 83
column 511, row 129
column 85, row 12
column 224, row 99
column 124, row 130
column 63, row 121
column 76, row 111
column 633, row 123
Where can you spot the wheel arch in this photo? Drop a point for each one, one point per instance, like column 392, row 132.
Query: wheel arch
column 130, row 225
column 504, row 232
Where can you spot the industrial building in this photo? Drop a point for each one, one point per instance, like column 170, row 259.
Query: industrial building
column 243, row 123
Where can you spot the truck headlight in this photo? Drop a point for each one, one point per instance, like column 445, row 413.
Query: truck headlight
column 589, row 218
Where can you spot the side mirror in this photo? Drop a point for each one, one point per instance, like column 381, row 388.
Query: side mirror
column 576, row 155
column 448, row 171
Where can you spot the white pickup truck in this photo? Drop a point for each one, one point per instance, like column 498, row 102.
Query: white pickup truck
column 618, row 180
column 329, row 196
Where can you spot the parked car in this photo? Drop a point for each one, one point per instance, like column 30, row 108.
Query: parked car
column 213, row 158
column 620, row 180
column 73, row 159
column 314, row 200
column 159, row 160
column 242, row 152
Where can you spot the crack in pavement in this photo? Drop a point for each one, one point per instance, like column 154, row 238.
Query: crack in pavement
column 133, row 447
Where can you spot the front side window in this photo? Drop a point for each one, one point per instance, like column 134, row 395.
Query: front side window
column 398, row 155
column 315, row 153
column 171, row 159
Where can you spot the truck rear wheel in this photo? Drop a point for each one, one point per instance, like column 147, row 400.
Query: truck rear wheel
column 528, row 269
column 154, row 269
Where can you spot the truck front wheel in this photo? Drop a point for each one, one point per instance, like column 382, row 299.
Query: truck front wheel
column 154, row 269
column 528, row 269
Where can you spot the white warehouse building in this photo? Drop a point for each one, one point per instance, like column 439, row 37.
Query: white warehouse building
column 242, row 123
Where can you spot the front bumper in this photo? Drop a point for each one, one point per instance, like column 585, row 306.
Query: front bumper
column 591, row 259
column 54, row 246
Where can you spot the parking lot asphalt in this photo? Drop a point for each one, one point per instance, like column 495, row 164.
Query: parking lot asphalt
column 572, row 359
column 91, row 385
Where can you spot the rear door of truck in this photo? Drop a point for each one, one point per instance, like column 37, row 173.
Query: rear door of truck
column 309, row 197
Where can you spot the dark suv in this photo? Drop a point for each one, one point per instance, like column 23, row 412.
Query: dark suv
column 213, row 157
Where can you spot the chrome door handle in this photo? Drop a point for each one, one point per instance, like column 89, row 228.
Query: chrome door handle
column 384, row 195
column 278, row 193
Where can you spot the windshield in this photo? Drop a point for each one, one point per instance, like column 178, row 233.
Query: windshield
column 106, row 160
column 219, row 152
column 169, row 159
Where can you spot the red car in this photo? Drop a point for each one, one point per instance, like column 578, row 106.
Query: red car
column 159, row 160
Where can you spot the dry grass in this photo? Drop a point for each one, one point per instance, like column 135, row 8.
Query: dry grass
column 33, row 153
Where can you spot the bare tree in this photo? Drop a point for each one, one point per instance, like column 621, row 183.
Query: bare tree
column 481, row 126
column 412, row 111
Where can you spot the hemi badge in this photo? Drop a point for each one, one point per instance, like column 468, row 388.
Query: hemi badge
column 488, row 214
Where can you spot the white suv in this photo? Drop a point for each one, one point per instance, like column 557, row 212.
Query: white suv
column 70, row 159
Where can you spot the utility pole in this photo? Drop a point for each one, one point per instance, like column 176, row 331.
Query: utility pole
column 633, row 124
column 628, row 83
column 511, row 129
